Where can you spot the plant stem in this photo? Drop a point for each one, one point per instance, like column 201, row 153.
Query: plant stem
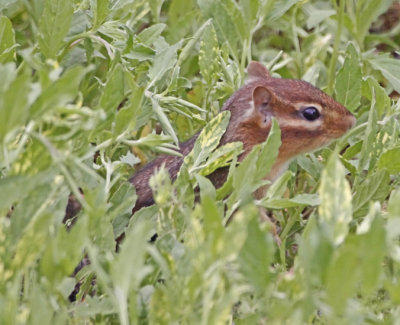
column 335, row 53
column 284, row 234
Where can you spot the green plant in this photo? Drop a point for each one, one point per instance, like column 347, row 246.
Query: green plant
column 85, row 82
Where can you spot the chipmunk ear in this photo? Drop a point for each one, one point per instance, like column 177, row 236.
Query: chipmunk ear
column 261, row 99
column 256, row 70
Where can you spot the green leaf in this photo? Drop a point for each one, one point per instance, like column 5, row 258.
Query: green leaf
column 335, row 210
column 372, row 251
column 208, row 140
column 209, row 54
column 311, row 165
column 371, row 87
column 15, row 188
column 315, row 253
column 348, row 80
column 164, row 61
column 164, row 121
column 7, row 40
column 221, row 157
column 99, row 226
column 228, row 21
column 269, row 151
column 393, row 206
column 255, row 256
column 113, row 92
column 40, row 302
column 160, row 183
column 54, row 25
column 143, row 215
column 206, row 187
column 157, row 142
column 4, row 4
column 251, row 173
column 128, row 269
column 186, row 50
column 244, row 177
column 390, row 160
column 149, row 35
column 343, row 275
column 63, row 252
column 123, row 201
column 127, row 116
column 389, row 67
column 100, row 11
column 182, row 16
column 140, row 52
column 359, row 259
column 251, row 10
column 33, row 242
column 366, row 161
column 14, row 100
column 35, row 199
column 316, row 16
column 373, row 188
column 278, row 188
column 213, row 227
column 59, row 93
column 298, row 200
column 280, row 8
column 367, row 12
column 155, row 7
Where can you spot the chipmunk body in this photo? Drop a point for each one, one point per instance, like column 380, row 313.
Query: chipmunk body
column 308, row 119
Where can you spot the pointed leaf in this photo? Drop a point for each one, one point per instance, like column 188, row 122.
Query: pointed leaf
column 390, row 160
column 59, row 93
column 164, row 121
column 14, row 101
column 54, row 25
column 113, row 92
column 336, row 209
column 389, row 67
column 343, row 275
column 374, row 188
column 208, row 54
column 208, row 140
column 7, row 40
column 255, row 256
column 348, row 80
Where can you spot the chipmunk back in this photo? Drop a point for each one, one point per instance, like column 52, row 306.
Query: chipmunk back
column 308, row 119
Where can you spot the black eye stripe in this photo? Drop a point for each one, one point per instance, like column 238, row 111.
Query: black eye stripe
column 310, row 113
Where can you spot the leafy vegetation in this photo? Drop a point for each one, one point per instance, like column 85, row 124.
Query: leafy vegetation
column 91, row 88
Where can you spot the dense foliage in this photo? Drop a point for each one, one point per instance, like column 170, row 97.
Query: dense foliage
column 91, row 88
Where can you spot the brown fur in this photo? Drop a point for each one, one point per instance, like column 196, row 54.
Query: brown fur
column 141, row 179
column 252, row 108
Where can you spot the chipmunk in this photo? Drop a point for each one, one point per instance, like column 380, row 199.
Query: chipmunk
column 308, row 119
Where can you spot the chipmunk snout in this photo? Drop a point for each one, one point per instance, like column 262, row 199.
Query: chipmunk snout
column 341, row 124
column 351, row 121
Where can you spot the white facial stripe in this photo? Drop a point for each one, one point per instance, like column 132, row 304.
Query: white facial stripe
column 301, row 124
column 249, row 111
column 301, row 106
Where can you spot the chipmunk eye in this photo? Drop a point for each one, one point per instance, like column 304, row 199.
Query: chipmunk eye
column 310, row 113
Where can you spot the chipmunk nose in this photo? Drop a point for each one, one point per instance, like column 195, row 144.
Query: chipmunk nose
column 351, row 120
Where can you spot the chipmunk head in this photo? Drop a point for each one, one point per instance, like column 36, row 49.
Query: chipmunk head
column 308, row 118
